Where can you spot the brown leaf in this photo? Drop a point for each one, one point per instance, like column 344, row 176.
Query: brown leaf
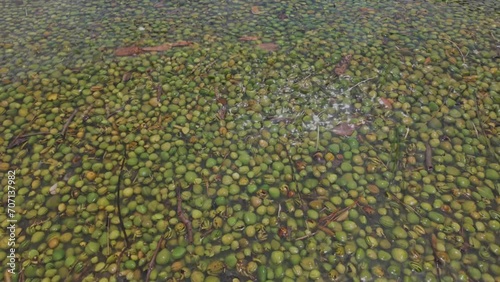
column 128, row 51
column 470, row 78
column 282, row 16
column 126, row 76
column 96, row 88
column 386, row 102
column 159, row 48
column 222, row 101
column 434, row 242
column 181, row 43
column 342, row 216
column 255, row 10
column 268, row 46
column 343, row 65
column 344, row 128
column 248, row 38
column 365, row 10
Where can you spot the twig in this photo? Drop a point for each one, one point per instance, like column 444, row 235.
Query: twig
column 307, row 236
column 159, row 92
column 317, row 139
column 182, row 216
column 294, row 179
column 391, row 195
column 22, row 138
column 491, row 33
column 326, row 230
column 120, row 109
column 108, row 223
column 435, row 253
column 334, row 216
column 488, row 143
column 428, row 157
column 118, row 184
column 152, row 263
column 456, row 46
column 475, row 129
column 122, row 226
column 66, row 125
column 360, row 83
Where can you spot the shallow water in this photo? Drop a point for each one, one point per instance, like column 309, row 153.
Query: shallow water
column 282, row 137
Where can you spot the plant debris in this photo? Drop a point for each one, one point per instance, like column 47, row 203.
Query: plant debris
column 342, row 66
column 256, row 10
column 248, row 38
column 344, row 128
column 268, row 46
column 134, row 50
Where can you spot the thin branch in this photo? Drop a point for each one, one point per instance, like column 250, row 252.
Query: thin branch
column 19, row 139
column 120, row 109
column 182, row 216
column 360, row 83
column 66, row 125
column 306, row 236
column 456, row 46
column 152, row 263
column 122, row 226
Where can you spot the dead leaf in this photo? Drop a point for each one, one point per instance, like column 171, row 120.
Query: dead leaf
column 344, row 129
column 282, row 16
column 96, row 88
column 159, row 48
column 181, row 43
column 343, row 65
column 470, row 78
column 222, row 101
column 248, row 38
column 365, row 10
column 427, row 60
column 128, row 51
column 343, row 216
column 52, row 97
column 268, row 46
column 255, row 10
column 126, row 76
column 386, row 102
column 53, row 189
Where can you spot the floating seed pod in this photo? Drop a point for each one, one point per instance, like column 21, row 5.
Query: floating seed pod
column 215, row 267
column 318, row 157
column 283, row 232
column 300, row 165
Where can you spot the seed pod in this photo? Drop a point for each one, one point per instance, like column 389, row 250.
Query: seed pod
column 318, row 157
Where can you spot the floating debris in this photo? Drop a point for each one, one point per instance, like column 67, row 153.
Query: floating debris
column 344, row 129
column 386, row 102
column 268, row 46
column 428, row 157
column 256, row 10
column 342, row 66
column 128, row 51
column 159, row 48
column 134, row 50
column 248, row 38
